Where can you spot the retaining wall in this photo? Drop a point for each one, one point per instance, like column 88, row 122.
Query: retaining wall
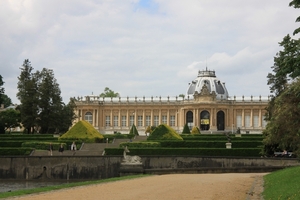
column 101, row 167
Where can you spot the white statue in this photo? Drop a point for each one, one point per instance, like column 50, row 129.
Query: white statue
column 130, row 159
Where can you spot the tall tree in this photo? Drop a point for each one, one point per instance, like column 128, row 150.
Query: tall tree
column 283, row 130
column 109, row 93
column 28, row 96
column 49, row 102
column 67, row 116
column 6, row 100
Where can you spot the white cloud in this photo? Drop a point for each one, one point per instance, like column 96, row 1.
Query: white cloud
column 140, row 49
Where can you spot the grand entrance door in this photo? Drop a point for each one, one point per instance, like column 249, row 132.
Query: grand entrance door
column 189, row 119
column 204, row 120
column 220, row 121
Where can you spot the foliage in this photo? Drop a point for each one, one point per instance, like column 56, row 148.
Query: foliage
column 28, row 96
column 6, row 101
column 148, row 130
column 43, row 145
column 82, row 131
column 282, row 184
column 195, row 130
column 41, row 108
column 133, row 130
column 140, row 144
column 15, row 151
column 164, row 132
column 283, row 128
column 109, row 93
column 10, row 118
column 186, row 129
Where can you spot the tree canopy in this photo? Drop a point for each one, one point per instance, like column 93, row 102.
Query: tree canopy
column 42, row 108
column 109, row 93
column 283, row 128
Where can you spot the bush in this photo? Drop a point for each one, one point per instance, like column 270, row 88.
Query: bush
column 164, row 132
column 186, row 129
column 9, row 151
column 140, row 144
column 43, row 145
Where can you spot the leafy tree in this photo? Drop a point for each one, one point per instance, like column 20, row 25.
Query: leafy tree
column 282, row 130
column 50, row 102
column 67, row 116
column 186, row 129
column 28, row 96
column 6, row 101
column 182, row 96
column 109, row 93
column 10, row 118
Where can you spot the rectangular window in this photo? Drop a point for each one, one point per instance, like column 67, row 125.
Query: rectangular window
column 140, row 120
column 172, row 120
column 116, row 120
column 164, row 119
column 107, row 120
column 255, row 121
column 148, row 120
column 247, row 121
column 124, row 120
column 156, row 120
column 131, row 120
column 238, row 121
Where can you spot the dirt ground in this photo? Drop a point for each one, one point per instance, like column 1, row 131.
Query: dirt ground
column 241, row 186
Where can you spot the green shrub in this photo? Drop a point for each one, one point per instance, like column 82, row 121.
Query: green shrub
column 10, row 143
column 186, row 129
column 140, row 144
column 164, row 132
column 10, row 151
column 82, row 131
column 43, row 145
column 195, row 130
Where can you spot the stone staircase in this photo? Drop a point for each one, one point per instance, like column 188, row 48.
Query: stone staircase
column 89, row 149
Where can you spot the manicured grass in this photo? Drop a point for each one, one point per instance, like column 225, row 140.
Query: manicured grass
column 282, row 184
column 63, row 186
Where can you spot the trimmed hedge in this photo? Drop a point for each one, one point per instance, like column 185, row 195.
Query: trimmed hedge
column 25, row 135
column 10, row 143
column 20, row 151
column 29, row 138
column 210, row 144
column 44, row 145
column 244, row 152
column 140, row 144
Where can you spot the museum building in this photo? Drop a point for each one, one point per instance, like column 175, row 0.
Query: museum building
column 206, row 105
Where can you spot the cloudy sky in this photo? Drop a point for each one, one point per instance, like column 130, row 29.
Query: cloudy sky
column 143, row 48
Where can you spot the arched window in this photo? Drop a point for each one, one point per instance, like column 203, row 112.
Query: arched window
column 88, row 117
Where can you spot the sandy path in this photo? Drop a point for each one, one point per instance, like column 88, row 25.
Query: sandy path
column 178, row 186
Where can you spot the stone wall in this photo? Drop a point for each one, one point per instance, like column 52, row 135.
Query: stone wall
column 101, row 167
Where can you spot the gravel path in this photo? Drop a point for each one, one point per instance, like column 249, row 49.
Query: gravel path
column 241, row 186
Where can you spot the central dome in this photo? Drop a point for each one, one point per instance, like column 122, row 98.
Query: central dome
column 213, row 84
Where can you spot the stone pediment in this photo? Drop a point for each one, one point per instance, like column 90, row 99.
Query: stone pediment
column 204, row 95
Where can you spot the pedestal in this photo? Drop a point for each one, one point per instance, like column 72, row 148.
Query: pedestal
column 228, row 145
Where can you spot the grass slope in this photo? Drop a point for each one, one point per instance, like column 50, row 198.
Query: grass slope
column 164, row 132
column 282, row 184
column 83, row 131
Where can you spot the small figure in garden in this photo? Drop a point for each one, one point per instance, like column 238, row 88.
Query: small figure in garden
column 50, row 150
column 73, row 147
column 61, row 149
column 238, row 131
column 284, row 153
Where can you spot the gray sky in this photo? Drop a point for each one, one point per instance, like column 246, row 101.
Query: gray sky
column 143, row 48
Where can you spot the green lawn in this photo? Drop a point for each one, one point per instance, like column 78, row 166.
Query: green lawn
column 282, row 184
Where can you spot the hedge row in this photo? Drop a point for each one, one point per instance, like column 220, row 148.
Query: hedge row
column 140, row 144
column 222, row 138
column 10, row 143
column 244, row 152
column 43, row 145
column 29, row 138
column 4, row 151
column 25, row 135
